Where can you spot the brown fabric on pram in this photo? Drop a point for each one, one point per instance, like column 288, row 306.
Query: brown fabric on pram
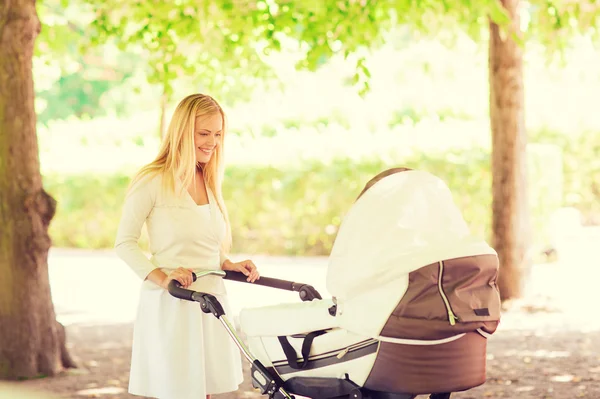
column 442, row 300
column 466, row 293
column 450, row 367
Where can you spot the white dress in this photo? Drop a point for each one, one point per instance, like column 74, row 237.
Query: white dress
column 178, row 351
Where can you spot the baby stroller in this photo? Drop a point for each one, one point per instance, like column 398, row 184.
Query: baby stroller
column 414, row 299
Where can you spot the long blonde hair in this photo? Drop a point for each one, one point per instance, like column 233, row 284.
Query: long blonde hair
column 176, row 159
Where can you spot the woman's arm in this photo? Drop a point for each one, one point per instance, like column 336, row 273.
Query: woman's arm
column 138, row 205
column 247, row 267
column 184, row 276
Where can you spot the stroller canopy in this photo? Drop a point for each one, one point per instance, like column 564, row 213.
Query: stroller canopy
column 405, row 221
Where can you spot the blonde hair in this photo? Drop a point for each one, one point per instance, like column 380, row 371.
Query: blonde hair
column 176, row 159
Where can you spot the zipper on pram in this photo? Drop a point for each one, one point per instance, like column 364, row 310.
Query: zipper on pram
column 343, row 353
column 451, row 316
column 354, row 347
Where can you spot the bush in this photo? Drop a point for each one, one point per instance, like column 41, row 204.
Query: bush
column 88, row 209
column 297, row 210
column 581, row 170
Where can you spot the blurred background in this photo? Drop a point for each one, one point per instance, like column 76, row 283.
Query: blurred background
column 302, row 143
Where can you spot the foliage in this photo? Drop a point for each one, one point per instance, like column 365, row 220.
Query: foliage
column 555, row 22
column 71, row 79
column 580, row 168
column 215, row 41
column 207, row 41
column 297, row 210
column 72, row 95
column 218, row 39
column 221, row 46
column 77, row 67
column 286, row 211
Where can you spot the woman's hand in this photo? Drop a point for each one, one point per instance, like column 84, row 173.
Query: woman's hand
column 184, row 276
column 246, row 267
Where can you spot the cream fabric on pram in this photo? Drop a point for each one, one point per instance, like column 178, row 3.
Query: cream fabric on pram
column 395, row 235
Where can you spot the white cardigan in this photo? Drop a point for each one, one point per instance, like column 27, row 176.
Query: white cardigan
column 178, row 234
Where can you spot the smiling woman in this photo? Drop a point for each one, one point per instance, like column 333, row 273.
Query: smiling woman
column 178, row 196
column 208, row 135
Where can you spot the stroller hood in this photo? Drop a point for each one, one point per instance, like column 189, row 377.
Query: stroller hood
column 403, row 222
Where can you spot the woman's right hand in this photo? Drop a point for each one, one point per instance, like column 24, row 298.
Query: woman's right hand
column 184, row 276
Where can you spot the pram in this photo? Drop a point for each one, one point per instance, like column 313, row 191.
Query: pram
column 414, row 299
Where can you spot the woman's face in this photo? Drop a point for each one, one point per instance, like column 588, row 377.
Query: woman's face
column 208, row 130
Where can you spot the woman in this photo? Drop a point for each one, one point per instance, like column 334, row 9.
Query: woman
column 179, row 352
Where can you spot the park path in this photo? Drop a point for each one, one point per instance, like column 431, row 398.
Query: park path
column 97, row 287
column 547, row 346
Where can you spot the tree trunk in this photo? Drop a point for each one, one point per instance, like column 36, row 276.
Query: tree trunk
column 31, row 340
column 510, row 219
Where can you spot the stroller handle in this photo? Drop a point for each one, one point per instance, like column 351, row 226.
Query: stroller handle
column 307, row 292
column 175, row 289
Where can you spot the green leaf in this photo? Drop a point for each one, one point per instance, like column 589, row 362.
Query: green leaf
column 498, row 13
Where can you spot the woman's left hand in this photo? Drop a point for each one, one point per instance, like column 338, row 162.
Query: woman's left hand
column 246, row 267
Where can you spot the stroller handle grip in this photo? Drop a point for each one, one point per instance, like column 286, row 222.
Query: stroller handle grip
column 175, row 289
column 267, row 281
column 307, row 292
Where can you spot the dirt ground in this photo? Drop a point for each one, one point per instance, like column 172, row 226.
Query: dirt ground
column 521, row 364
column 547, row 346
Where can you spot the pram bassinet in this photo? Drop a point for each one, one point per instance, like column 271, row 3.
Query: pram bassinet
column 414, row 299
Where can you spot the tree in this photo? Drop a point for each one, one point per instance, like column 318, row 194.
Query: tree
column 31, row 340
column 510, row 214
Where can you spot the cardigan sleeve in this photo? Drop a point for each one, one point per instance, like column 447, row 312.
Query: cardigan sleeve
column 138, row 205
column 222, row 258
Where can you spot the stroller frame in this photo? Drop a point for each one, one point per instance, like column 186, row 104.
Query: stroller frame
column 268, row 381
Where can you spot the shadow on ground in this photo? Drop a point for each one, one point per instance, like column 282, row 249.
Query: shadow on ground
column 521, row 364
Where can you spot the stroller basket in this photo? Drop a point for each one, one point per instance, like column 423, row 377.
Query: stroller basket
column 284, row 379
